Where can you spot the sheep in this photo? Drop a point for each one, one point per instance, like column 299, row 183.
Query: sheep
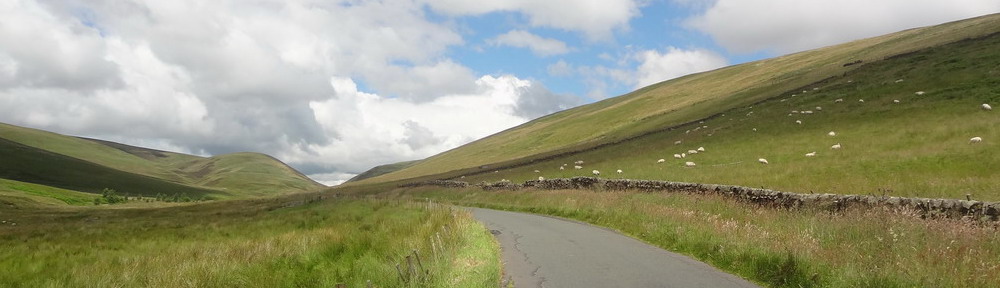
column 754, row 129
column 578, row 162
column 835, row 146
column 832, row 133
column 536, row 171
column 815, row 88
column 688, row 131
column 987, row 107
column 976, row 139
column 701, row 149
column 678, row 142
column 689, row 164
column 899, row 80
column 920, row 93
column 596, row 173
column 818, row 108
column 664, row 160
column 798, row 121
column 619, row 171
column 706, row 126
column 811, row 154
column 540, row 178
column 895, row 101
column 463, row 177
column 683, row 155
column 861, row 100
column 838, row 100
column 678, row 156
column 692, row 151
column 577, row 167
column 762, row 161
column 562, row 168
column 807, row 112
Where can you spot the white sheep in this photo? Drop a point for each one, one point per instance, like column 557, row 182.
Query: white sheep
column 811, row 154
column 807, row 112
column 987, row 107
column 832, row 133
column 692, row 151
column 899, row 80
column 678, row 142
column 920, row 93
column 562, row 168
column 664, row 160
column 684, row 155
column 835, row 146
column 818, row 108
column 762, row 161
column 754, row 129
column 596, row 173
column 815, row 88
column 798, row 121
column 619, row 171
column 701, row 149
column 895, row 101
column 838, row 100
column 976, row 139
column 861, row 100
column 577, row 167
column 795, row 111
column 678, row 156
column 578, row 162
column 536, row 171
column 540, row 178
column 689, row 164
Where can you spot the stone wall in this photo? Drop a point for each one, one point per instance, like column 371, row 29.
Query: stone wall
column 955, row 208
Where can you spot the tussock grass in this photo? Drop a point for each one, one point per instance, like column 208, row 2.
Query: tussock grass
column 246, row 244
column 775, row 247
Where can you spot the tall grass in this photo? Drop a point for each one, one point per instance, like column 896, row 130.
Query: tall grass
column 774, row 247
column 247, row 244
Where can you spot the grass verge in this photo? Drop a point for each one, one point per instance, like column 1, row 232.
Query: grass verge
column 259, row 243
column 774, row 247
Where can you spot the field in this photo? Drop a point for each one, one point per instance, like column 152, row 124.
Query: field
column 773, row 247
column 297, row 241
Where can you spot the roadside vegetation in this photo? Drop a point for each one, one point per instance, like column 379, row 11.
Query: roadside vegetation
column 286, row 242
column 773, row 247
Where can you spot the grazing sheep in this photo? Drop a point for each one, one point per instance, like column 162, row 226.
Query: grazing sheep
column 701, row 149
column 975, row 140
column 596, row 173
column 678, row 156
column 838, row 100
column 798, row 121
column 818, row 108
column 895, row 101
column 578, row 162
column 807, row 112
column 692, row 151
column 835, row 146
column 832, row 133
column 688, row 131
column 861, row 100
column 987, row 107
column 536, row 171
column 795, row 111
column 619, row 171
column 678, row 142
column 815, row 88
column 811, row 154
column 577, row 167
column 762, row 161
column 562, row 168
column 920, row 93
column 664, row 160
column 754, row 129
column 463, row 177
column 683, row 155
column 540, row 178
column 899, row 80
column 706, row 126
column 689, row 164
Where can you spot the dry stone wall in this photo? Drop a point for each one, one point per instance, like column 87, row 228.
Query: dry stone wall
column 954, row 208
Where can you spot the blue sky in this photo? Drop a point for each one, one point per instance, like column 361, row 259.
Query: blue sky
column 335, row 87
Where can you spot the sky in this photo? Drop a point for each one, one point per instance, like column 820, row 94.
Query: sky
column 334, row 88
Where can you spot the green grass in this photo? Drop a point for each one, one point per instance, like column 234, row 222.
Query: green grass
column 915, row 148
column 773, row 247
column 44, row 194
column 918, row 147
column 247, row 243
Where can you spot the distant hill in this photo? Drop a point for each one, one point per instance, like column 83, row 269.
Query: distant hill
column 91, row 165
column 921, row 91
column 382, row 169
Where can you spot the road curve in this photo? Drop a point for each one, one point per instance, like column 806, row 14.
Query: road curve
column 542, row 251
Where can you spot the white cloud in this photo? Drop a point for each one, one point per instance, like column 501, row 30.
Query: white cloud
column 541, row 46
column 655, row 67
column 783, row 26
column 595, row 18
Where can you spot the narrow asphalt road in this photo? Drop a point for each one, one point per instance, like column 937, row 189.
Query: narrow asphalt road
column 541, row 251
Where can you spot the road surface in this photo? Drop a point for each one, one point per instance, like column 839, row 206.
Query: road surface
column 541, row 251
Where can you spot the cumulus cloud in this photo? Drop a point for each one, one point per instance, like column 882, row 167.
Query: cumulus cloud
column 226, row 76
column 655, row 67
column 783, row 26
column 523, row 39
column 596, row 19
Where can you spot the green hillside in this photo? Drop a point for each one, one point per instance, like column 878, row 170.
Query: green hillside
column 918, row 147
column 90, row 165
column 382, row 170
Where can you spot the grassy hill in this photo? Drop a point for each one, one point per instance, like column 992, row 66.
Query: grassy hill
column 90, row 165
column 382, row 170
column 917, row 147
